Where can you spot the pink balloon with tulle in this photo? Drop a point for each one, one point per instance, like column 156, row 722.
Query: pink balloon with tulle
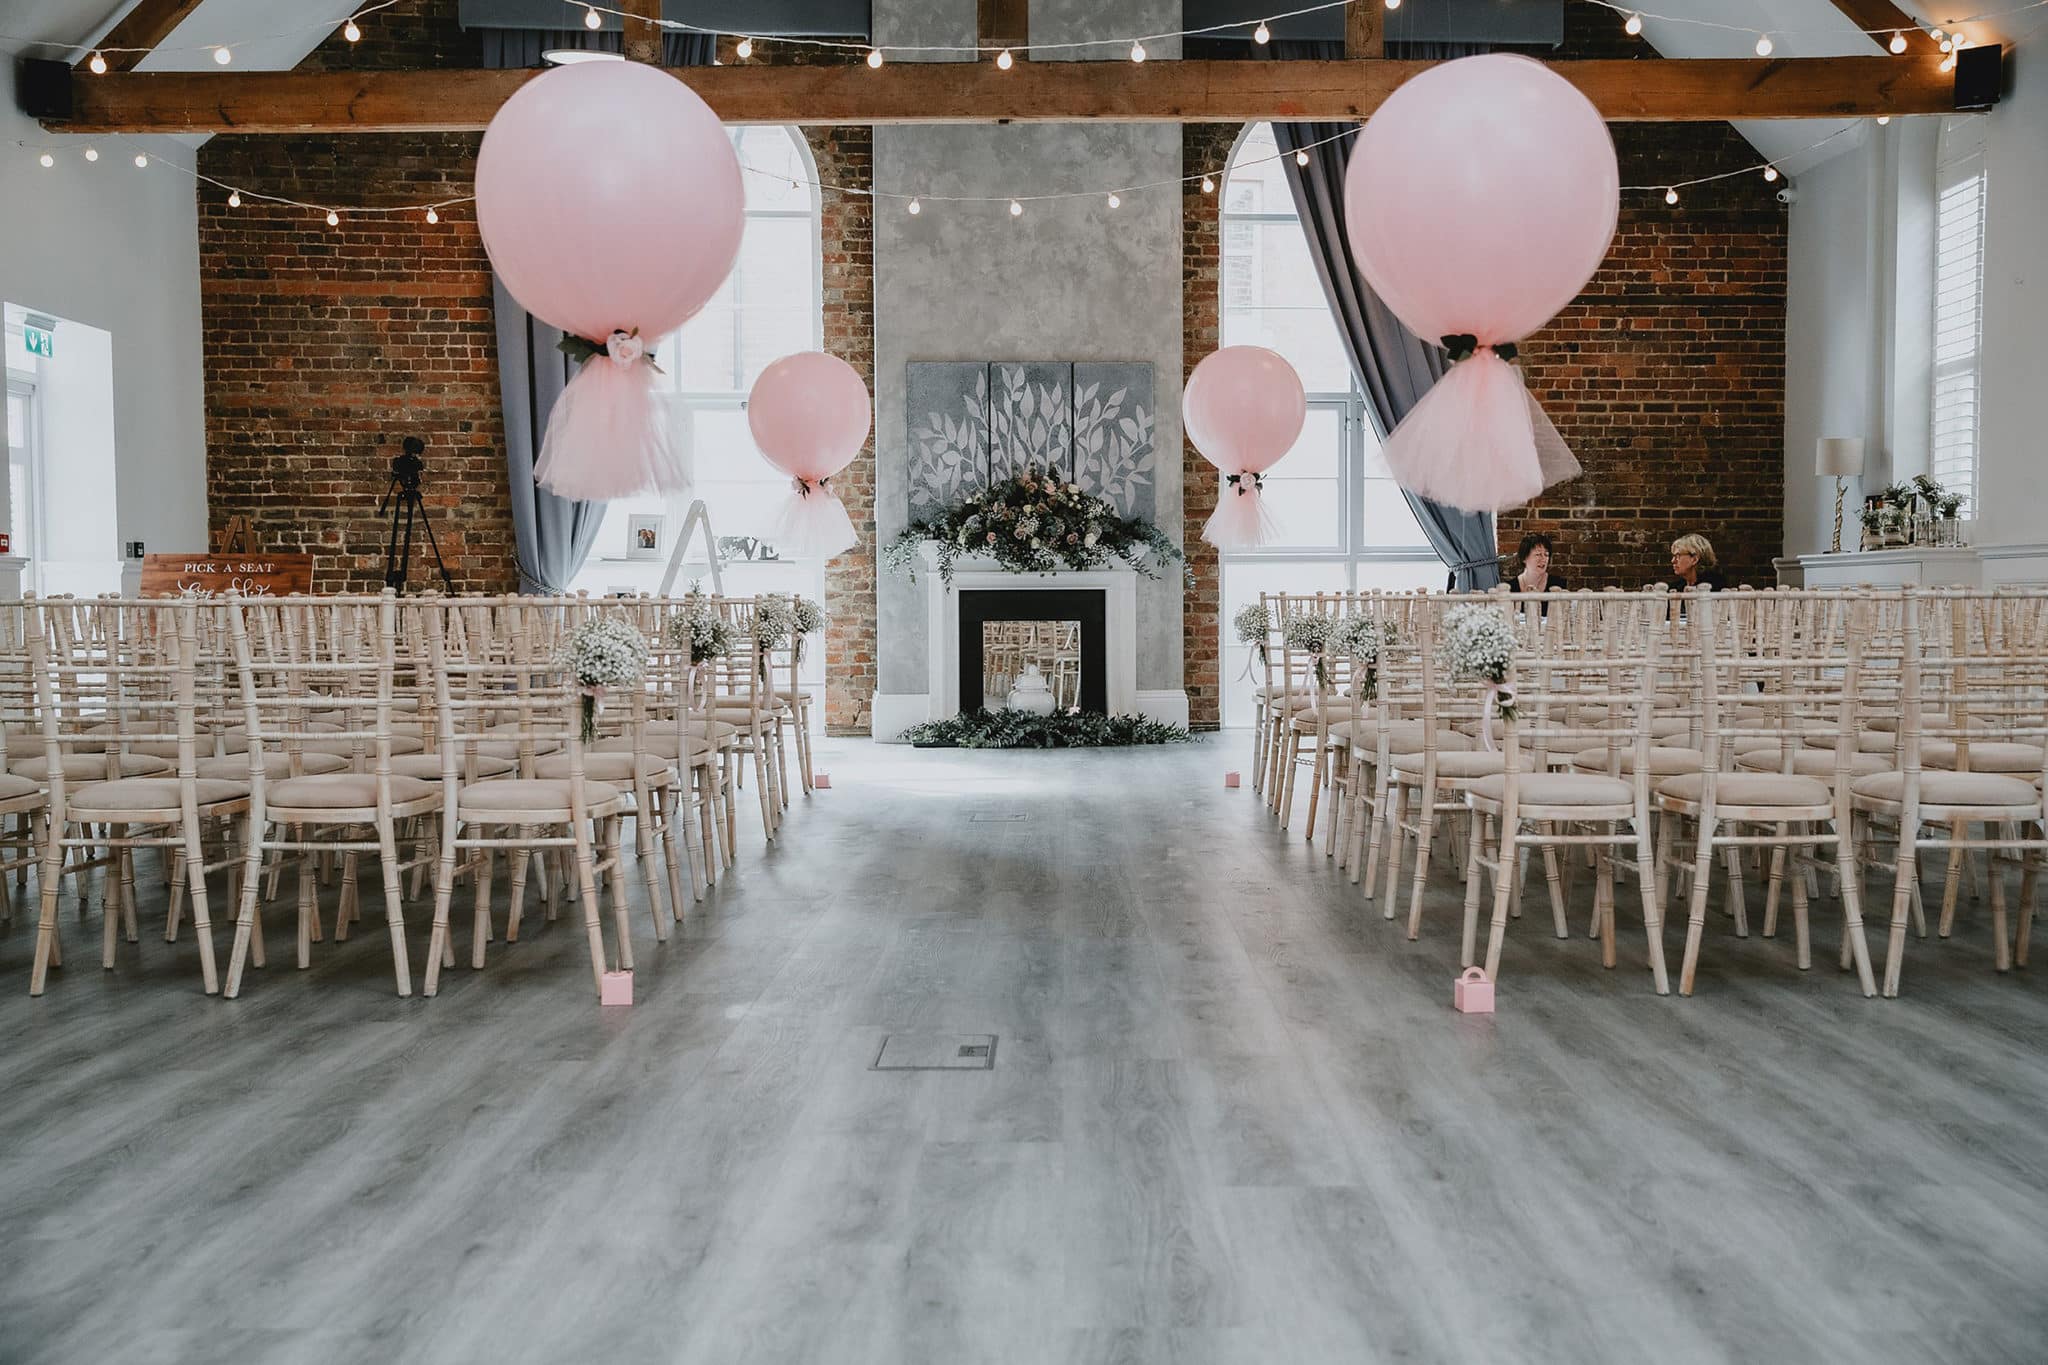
column 810, row 413
column 609, row 200
column 1479, row 199
column 1243, row 408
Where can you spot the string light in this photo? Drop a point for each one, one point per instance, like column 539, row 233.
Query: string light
column 1004, row 61
column 1763, row 45
column 1016, row 209
column 916, row 208
column 1947, row 46
column 1208, row 185
column 1393, row 4
column 592, row 19
column 1670, row 196
column 1883, row 119
column 98, row 64
column 1634, row 26
column 1897, row 44
column 351, row 32
column 1938, row 36
column 1115, row 200
column 1948, row 63
column 333, row 218
column 1301, row 158
column 1770, row 174
column 222, row 56
column 875, row 57
column 1137, row 51
column 141, row 162
column 1262, row 35
column 46, row 161
column 433, row 216
column 745, row 49
column 92, row 154
column 234, row 199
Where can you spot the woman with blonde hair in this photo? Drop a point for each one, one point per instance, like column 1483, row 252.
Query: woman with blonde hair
column 1692, row 565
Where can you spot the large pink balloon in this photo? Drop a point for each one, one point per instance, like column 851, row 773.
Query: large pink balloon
column 809, row 413
column 609, row 198
column 1243, row 408
column 1481, row 197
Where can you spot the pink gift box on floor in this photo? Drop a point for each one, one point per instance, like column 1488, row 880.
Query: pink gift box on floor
column 615, row 988
column 1472, row 993
column 1230, row 780
column 821, row 781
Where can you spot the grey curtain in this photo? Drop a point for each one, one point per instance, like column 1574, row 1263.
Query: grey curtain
column 551, row 536
column 1394, row 366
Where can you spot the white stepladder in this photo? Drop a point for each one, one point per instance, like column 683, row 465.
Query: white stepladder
column 698, row 515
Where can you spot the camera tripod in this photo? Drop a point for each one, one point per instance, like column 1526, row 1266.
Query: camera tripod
column 405, row 505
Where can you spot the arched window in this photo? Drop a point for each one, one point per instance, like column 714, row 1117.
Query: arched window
column 770, row 306
column 1343, row 523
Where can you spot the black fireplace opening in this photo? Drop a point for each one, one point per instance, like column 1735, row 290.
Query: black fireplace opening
column 1050, row 606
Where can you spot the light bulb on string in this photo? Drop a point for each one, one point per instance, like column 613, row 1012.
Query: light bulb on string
column 745, row 49
column 1634, row 25
column 98, row 64
column 333, row 218
column 1770, row 174
column 1897, row 44
column 433, row 216
column 1883, row 119
column 1947, row 45
column 1393, row 4
column 916, row 207
column 46, row 161
column 1936, row 34
column 1671, row 196
column 1764, row 45
column 1301, row 158
column 1208, row 185
column 222, row 56
column 592, row 19
column 92, row 154
column 1115, row 200
column 875, row 57
column 1948, row 63
column 234, row 199
column 351, row 33
column 1262, row 35
column 141, row 161
column 1137, row 51
column 1004, row 61
column 1016, row 209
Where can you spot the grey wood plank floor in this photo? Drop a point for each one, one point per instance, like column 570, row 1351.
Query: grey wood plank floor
column 1232, row 1118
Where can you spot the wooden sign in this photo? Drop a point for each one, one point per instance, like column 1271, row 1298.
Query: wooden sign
column 213, row 575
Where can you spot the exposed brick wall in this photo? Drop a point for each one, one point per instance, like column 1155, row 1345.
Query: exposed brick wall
column 1203, row 147
column 1666, row 375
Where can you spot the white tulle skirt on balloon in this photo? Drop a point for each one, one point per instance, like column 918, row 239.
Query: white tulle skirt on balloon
column 1241, row 520
column 815, row 525
column 1477, row 441
column 610, row 436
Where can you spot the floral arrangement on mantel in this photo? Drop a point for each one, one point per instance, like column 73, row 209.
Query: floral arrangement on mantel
column 1918, row 511
column 1034, row 522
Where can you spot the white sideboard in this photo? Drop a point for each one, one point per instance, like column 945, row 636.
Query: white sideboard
column 1971, row 566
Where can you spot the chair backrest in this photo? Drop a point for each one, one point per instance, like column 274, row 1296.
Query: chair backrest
column 509, row 696
column 115, row 677
column 1555, row 685
column 342, row 663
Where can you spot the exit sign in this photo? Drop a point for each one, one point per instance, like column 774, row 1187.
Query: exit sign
column 39, row 341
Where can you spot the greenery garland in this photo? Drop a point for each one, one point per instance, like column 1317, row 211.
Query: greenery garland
column 1023, row 730
column 1034, row 523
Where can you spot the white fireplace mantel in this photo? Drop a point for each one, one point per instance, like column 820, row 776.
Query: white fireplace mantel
column 1119, row 587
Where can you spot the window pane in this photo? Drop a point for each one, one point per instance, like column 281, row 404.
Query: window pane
column 1257, row 182
column 1243, row 581
column 1389, row 521
column 772, row 161
column 1272, row 298
column 709, row 344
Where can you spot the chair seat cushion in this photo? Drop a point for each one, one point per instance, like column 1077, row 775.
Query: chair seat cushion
column 1403, row 737
column 13, row 786
column 1661, row 727
column 529, row 794
column 30, row 745
column 276, row 767
column 1810, row 762
column 1867, row 741
column 1558, row 789
column 614, row 767
column 1750, row 789
column 1664, row 762
column 400, row 744
column 1454, row 763
column 1951, row 789
column 1986, row 756
column 152, row 793
column 93, row 767
column 427, row 767
column 344, row 791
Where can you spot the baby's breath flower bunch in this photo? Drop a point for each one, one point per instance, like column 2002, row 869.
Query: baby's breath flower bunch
column 603, row 652
column 1479, row 642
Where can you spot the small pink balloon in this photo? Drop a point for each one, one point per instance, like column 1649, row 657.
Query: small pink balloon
column 609, row 199
column 1481, row 197
column 1243, row 408
column 809, row 413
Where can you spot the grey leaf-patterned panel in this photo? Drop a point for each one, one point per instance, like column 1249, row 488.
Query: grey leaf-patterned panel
column 971, row 423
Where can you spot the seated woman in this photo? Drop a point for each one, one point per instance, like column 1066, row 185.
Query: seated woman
column 1692, row 565
column 1534, row 574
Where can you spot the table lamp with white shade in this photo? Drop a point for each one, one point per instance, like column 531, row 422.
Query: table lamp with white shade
column 1838, row 456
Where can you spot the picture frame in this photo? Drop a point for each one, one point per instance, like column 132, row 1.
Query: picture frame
column 645, row 536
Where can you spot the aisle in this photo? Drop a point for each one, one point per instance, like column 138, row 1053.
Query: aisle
column 1231, row 1118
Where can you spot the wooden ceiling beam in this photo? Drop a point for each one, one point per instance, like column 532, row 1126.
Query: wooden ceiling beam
column 643, row 35
column 1365, row 33
column 148, row 24
column 976, row 92
column 1003, row 23
column 1883, row 14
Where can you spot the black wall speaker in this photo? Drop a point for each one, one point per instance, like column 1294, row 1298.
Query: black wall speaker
column 1979, row 76
column 43, row 88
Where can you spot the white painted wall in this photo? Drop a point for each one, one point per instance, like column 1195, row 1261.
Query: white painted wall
column 117, row 248
column 1859, row 315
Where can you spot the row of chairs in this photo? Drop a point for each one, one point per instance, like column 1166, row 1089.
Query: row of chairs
column 1807, row 739
column 438, row 735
